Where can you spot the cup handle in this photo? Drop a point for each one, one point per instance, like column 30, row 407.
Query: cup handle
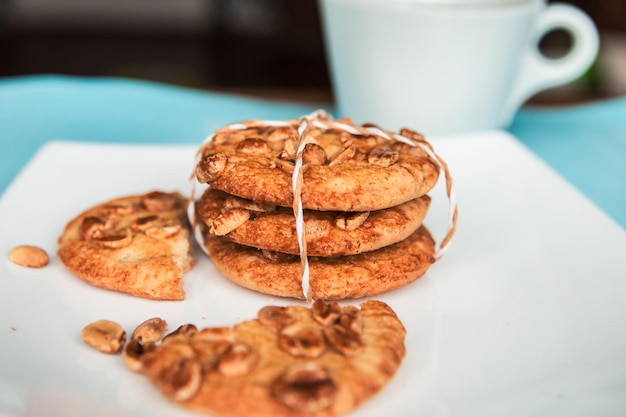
column 539, row 72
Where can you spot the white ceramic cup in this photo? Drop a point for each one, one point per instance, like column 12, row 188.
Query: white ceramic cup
column 447, row 66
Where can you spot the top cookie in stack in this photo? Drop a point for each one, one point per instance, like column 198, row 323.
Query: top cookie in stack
column 316, row 207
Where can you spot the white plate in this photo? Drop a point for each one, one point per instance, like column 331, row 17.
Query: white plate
column 525, row 315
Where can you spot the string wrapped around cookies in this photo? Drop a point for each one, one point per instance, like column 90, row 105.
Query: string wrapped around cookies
column 356, row 197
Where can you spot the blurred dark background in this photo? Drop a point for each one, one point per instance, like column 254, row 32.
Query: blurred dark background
column 267, row 48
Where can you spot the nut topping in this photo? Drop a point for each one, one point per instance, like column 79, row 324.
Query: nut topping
column 275, row 316
column 412, row 135
column 305, row 387
column 228, row 221
column 106, row 336
column 145, row 222
column 238, row 359
column 343, row 340
column 276, row 256
column 163, row 232
column 313, row 154
column 210, row 167
column 118, row 209
column 350, row 319
column 383, row 157
column 253, row 146
column 284, row 165
column 113, row 240
column 344, row 334
column 281, row 133
column 232, row 202
column 366, row 144
column 174, row 370
column 151, row 330
column 215, row 334
column 324, row 313
column 351, row 221
column 208, row 353
column 132, row 353
column 346, row 139
column 289, row 153
column 90, row 226
column 224, row 137
column 344, row 155
column 29, row 256
column 159, row 201
column 183, row 333
column 302, row 341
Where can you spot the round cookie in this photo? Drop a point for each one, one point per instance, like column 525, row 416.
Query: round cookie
column 138, row 245
column 328, row 233
column 292, row 361
column 331, row 278
column 341, row 171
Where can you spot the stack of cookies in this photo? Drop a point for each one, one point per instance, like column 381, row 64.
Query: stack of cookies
column 316, row 208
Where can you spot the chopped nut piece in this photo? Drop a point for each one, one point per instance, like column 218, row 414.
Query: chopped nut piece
column 106, row 336
column 233, row 202
column 90, row 226
column 289, row 153
column 132, row 353
column 228, row 137
column 114, row 240
column 284, row 165
column 275, row 316
column 344, row 155
column 324, row 313
column 208, row 353
column 118, row 209
column 145, row 222
column 151, row 330
column 174, row 371
column 343, row 340
column 365, row 145
column 418, row 137
column 253, row 146
column 276, row 256
column 351, row 221
column 215, row 334
column 29, row 256
column 281, row 133
column 313, row 154
column 163, row 232
column 346, row 139
column 305, row 387
column 383, row 157
column 211, row 166
column 350, row 319
column 159, row 201
column 238, row 359
column 180, row 347
column 302, row 341
column 184, row 333
column 228, row 221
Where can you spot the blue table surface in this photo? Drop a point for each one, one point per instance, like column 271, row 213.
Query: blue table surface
column 586, row 144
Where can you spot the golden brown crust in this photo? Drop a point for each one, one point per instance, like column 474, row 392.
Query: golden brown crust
column 328, row 233
column 138, row 245
column 273, row 378
column 343, row 172
column 332, row 278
